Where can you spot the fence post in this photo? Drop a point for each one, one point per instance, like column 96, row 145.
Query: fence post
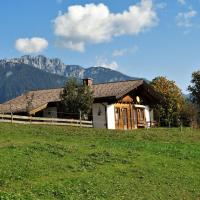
column 11, row 117
column 11, row 113
column 181, row 127
column 80, row 118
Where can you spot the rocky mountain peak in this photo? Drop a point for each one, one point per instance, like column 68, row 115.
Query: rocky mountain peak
column 56, row 66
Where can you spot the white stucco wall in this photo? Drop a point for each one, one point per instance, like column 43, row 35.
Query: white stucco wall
column 147, row 115
column 105, row 117
column 111, row 116
column 99, row 115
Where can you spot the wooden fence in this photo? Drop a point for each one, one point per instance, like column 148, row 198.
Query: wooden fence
column 41, row 120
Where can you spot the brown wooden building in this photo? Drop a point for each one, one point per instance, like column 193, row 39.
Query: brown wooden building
column 117, row 105
column 124, row 105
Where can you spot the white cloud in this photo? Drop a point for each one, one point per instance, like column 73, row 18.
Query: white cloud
column 134, row 49
column 31, row 45
column 119, row 52
column 96, row 24
column 103, row 62
column 182, row 2
column 122, row 52
column 161, row 5
column 184, row 19
column 113, row 65
column 74, row 46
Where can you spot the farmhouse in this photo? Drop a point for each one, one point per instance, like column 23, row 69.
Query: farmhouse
column 117, row 105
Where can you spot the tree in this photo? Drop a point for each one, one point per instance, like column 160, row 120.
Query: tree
column 76, row 98
column 169, row 109
column 194, row 88
column 189, row 114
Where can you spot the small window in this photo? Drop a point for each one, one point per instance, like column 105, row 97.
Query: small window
column 141, row 116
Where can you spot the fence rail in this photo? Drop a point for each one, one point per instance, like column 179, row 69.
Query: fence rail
column 41, row 120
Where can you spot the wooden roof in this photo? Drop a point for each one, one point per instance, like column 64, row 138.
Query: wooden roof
column 40, row 98
column 115, row 89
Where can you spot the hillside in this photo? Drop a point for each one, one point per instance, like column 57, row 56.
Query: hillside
column 46, row 162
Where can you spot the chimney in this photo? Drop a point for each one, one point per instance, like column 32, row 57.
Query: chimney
column 88, row 81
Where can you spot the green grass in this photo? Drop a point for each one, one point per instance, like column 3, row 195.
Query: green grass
column 48, row 162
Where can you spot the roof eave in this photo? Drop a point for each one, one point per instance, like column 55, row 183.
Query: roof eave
column 104, row 99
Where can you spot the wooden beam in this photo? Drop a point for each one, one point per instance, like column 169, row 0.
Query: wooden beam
column 32, row 112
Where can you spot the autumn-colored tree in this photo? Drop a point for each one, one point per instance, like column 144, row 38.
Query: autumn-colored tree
column 171, row 103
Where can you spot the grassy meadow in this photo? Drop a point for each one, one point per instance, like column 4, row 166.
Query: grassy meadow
column 49, row 162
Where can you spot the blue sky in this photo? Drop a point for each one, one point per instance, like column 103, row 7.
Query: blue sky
column 141, row 38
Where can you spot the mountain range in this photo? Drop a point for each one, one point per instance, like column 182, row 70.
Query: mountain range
column 19, row 75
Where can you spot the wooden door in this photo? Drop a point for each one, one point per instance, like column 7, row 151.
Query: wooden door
column 134, row 117
column 125, row 118
column 117, row 118
column 141, row 117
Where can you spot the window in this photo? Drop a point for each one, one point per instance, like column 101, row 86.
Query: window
column 140, row 114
